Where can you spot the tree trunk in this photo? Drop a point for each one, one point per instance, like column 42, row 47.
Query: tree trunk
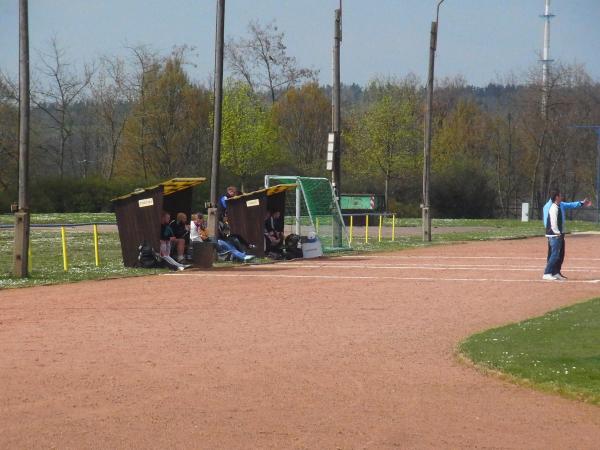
column 387, row 187
column 534, row 176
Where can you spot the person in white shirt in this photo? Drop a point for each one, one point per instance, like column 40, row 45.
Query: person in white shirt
column 554, row 233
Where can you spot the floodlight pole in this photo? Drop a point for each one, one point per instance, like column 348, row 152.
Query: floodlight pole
column 425, row 206
column 213, row 223
column 596, row 128
column 336, row 120
column 21, row 247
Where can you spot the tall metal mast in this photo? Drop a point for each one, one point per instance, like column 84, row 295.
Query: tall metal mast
column 547, row 16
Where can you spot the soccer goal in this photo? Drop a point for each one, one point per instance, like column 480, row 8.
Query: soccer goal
column 313, row 208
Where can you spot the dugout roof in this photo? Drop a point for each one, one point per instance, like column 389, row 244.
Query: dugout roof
column 169, row 187
column 268, row 191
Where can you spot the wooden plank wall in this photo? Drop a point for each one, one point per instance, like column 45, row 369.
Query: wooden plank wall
column 137, row 224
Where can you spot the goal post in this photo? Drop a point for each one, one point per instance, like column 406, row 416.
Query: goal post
column 314, row 208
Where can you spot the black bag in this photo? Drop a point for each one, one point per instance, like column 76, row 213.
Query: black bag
column 293, row 248
column 147, row 257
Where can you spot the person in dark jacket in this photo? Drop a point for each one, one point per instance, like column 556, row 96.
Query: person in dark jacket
column 181, row 231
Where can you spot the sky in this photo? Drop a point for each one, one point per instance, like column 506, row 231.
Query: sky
column 482, row 40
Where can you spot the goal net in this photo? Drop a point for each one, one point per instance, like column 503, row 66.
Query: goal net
column 313, row 208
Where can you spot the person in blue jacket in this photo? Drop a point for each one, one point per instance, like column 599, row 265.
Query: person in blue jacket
column 563, row 206
column 231, row 191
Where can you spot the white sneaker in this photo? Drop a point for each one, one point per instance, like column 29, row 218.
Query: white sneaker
column 248, row 258
column 559, row 277
column 549, row 276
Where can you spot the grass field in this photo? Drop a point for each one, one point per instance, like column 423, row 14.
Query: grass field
column 62, row 218
column 557, row 352
column 47, row 263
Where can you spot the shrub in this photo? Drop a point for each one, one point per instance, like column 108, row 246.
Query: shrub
column 462, row 190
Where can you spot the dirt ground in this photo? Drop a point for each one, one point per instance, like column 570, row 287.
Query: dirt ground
column 352, row 352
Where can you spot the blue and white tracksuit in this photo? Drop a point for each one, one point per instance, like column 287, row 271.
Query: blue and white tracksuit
column 554, row 233
column 563, row 207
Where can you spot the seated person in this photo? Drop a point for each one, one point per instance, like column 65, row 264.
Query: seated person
column 235, row 239
column 276, row 224
column 198, row 233
column 273, row 237
column 166, row 238
column 181, row 232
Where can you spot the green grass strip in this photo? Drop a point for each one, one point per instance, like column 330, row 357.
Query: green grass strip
column 47, row 263
column 557, row 352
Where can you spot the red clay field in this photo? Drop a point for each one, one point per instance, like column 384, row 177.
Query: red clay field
column 351, row 352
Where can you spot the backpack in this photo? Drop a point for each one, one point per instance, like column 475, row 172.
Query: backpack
column 293, row 247
column 147, row 257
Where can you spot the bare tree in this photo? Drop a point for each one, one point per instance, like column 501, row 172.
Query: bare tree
column 65, row 87
column 110, row 97
column 9, row 146
column 548, row 134
column 147, row 64
column 262, row 60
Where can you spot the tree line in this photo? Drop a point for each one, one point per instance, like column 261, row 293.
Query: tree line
column 101, row 129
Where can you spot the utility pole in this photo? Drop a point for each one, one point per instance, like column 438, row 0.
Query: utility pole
column 213, row 222
column 22, row 215
column 425, row 206
column 336, row 102
column 596, row 128
column 336, row 120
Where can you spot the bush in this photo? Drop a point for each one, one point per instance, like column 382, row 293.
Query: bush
column 55, row 195
column 71, row 194
column 462, row 190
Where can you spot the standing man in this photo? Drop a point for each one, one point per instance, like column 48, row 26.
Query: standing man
column 563, row 207
column 554, row 233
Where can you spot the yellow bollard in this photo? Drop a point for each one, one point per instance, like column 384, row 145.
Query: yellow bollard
column 351, row 227
column 366, row 228
column 393, row 227
column 64, row 249
column 96, row 253
column 380, row 225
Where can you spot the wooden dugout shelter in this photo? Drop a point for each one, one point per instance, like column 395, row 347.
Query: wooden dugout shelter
column 138, row 213
column 246, row 213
